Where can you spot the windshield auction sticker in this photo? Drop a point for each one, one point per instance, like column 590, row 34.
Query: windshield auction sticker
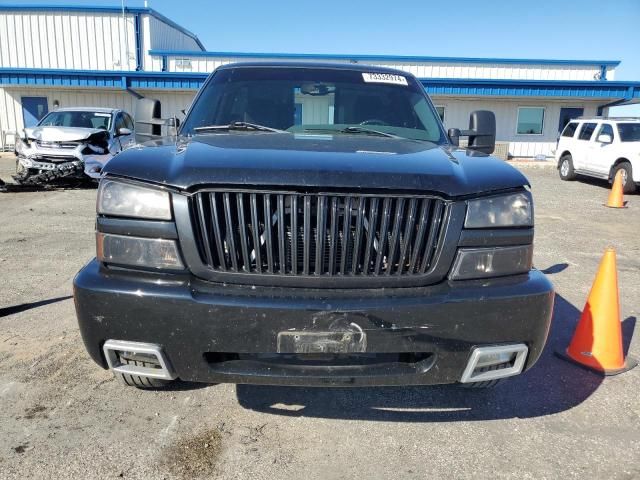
column 384, row 78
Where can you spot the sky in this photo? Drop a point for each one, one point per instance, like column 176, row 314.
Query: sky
column 567, row 29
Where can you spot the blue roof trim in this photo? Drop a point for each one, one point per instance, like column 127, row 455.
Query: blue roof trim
column 529, row 88
column 100, row 79
column 626, row 91
column 395, row 58
column 106, row 9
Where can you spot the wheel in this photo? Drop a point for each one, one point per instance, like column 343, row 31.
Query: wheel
column 566, row 167
column 627, row 179
column 137, row 380
column 488, row 383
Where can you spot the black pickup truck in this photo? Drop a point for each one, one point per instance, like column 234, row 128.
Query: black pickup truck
column 314, row 224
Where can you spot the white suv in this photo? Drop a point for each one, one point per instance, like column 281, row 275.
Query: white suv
column 599, row 147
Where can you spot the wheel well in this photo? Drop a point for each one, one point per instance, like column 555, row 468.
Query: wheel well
column 566, row 152
column 615, row 164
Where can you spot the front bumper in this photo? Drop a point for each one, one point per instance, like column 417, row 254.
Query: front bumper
column 212, row 333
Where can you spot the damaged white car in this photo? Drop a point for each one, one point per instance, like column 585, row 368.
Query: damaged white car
column 72, row 143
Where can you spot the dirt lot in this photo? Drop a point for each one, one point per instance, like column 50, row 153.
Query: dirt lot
column 61, row 416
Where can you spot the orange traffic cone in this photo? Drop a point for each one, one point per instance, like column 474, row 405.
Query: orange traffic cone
column 616, row 196
column 597, row 341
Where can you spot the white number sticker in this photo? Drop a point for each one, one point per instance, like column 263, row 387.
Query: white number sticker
column 384, row 78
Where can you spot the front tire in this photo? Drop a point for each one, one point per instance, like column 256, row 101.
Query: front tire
column 565, row 168
column 627, row 178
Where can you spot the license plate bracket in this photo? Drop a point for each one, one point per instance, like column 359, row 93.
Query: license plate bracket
column 322, row 342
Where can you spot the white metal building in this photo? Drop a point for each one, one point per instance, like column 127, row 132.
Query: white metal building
column 54, row 56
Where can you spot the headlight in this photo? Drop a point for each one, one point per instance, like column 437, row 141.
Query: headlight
column 513, row 210
column 138, row 252
column 491, row 262
column 130, row 200
column 21, row 144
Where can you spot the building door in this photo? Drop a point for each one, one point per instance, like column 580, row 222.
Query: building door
column 567, row 114
column 33, row 110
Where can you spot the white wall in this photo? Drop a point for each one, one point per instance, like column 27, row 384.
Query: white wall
column 11, row 107
column 421, row 70
column 158, row 35
column 67, row 40
column 457, row 112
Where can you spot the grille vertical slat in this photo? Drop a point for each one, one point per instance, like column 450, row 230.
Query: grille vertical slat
column 433, row 231
column 382, row 239
column 321, row 227
column 268, row 241
column 282, row 253
column 333, row 237
column 229, row 237
column 422, row 228
column 306, row 238
column 222, row 261
column 255, row 231
column 346, row 235
column 294, row 234
column 371, row 233
column 336, row 235
column 242, row 224
column 408, row 232
column 206, row 240
column 395, row 235
column 358, row 235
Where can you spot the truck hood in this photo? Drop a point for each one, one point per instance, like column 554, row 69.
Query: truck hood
column 300, row 160
column 60, row 134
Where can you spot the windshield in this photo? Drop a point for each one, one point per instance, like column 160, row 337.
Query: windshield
column 316, row 100
column 78, row 119
column 629, row 132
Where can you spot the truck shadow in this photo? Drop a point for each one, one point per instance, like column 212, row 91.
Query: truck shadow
column 551, row 386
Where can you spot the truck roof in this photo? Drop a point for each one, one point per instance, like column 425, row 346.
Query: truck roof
column 310, row 64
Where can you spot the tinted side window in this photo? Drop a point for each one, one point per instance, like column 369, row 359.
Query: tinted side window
column 128, row 122
column 606, row 129
column 120, row 122
column 570, row 129
column 587, row 131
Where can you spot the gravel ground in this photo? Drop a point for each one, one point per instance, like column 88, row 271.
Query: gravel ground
column 63, row 417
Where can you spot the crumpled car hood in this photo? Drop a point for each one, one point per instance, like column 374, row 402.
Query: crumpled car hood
column 60, row 134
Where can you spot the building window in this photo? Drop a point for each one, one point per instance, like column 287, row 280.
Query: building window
column 530, row 120
column 183, row 63
column 440, row 111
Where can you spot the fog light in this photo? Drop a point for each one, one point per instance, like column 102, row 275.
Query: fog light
column 509, row 358
column 138, row 252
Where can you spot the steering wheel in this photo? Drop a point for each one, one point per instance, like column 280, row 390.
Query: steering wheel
column 375, row 121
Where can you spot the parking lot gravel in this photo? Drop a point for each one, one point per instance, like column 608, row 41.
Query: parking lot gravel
column 61, row 416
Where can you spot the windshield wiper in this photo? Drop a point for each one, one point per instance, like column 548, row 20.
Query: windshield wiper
column 245, row 126
column 354, row 129
column 368, row 131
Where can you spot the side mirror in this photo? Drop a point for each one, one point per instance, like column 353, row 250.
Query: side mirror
column 481, row 133
column 172, row 122
column 482, row 127
column 123, row 131
column 454, row 136
column 605, row 138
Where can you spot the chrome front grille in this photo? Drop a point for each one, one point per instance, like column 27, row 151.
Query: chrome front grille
column 63, row 145
column 317, row 235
